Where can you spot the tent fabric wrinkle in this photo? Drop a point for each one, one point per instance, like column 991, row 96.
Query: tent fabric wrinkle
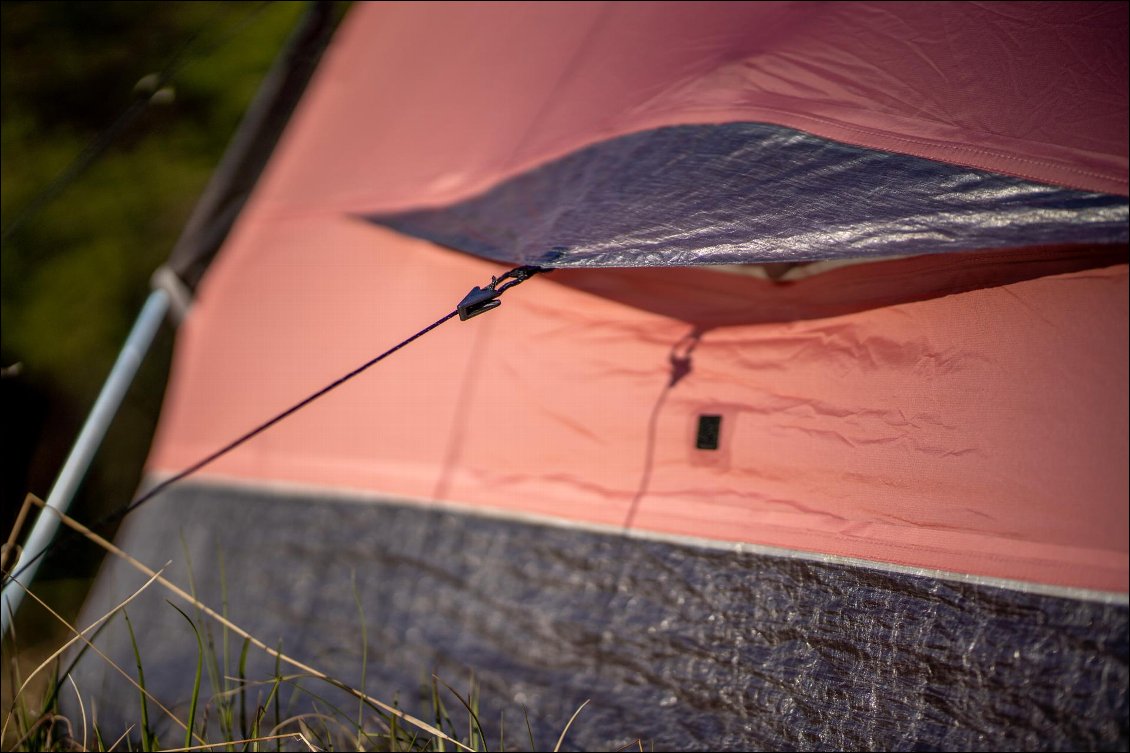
column 1036, row 90
column 815, row 437
column 724, row 650
column 712, row 296
column 914, row 432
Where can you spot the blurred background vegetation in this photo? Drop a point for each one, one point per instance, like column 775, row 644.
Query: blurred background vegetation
column 100, row 170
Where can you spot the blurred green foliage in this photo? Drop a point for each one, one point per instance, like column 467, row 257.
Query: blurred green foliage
column 75, row 270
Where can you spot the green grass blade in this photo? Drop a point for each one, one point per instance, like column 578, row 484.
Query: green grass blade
column 529, row 729
column 212, row 657
column 364, row 654
column 262, row 711
column 243, row 687
column 475, row 729
column 225, row 706
column 20, row 711
column 278, row 673
column 147, row 742
column 98, row 741
column 81, row 653
column 440, row 712
column 196, row 681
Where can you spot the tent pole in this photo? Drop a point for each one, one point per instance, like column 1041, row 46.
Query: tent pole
column 241, row 165
column 82, row 453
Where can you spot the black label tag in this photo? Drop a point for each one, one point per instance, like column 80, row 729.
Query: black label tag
column 709, row 432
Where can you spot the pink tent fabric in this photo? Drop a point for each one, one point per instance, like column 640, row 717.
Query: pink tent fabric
column 450, row 112
column 983, row 432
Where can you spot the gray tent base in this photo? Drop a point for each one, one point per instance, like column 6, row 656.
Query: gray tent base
column 686, row 647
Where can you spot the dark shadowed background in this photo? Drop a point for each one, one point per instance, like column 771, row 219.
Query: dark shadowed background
column 114, row 115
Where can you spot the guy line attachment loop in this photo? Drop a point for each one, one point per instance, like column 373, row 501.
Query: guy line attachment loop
column 481, row 300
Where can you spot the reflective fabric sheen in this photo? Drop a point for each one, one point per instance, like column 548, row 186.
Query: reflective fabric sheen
column 748, row 192
column 684, row 647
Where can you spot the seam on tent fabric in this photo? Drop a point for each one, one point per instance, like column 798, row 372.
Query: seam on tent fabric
column 566, row 74
column 364, row 496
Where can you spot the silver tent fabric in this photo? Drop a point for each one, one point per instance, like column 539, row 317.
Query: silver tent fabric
column 685, row 647
column 750, row 192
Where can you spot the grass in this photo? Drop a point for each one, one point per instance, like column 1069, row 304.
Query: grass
column 239, row 714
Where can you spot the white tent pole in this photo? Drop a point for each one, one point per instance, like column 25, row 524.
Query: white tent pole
column 82, row 453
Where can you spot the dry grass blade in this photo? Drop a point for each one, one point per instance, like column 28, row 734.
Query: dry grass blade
column 118, row 742
column 174, row 588
column 299, row 719
column 80, row 635
column 44, row 720
column 248, row 741
column 568, row 725
column 10, row 549
column 81, row 708
column 244, row 684
column 305, row 730
column 108, row 660
column 60, row 719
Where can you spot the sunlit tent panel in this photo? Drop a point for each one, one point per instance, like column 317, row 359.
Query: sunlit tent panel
column 815, row 436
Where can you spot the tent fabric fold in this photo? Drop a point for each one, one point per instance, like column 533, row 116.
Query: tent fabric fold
column 423, row 109
column 821, row 442
column 919, row 431
column 745, row 193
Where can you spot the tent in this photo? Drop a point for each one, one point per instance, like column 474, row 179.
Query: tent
column 813, row 435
